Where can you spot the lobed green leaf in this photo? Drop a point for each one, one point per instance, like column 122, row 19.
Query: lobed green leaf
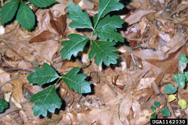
column 42, row 3
column 8, row 11
column 76, row 81
column 80, row 19
column 104, row 52
column 46, row 100
column 106, row 29
column 25, row 16
column 42, row 76
column 73, row 46
column 106, row 6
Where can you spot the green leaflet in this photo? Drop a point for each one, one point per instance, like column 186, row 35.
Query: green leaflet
column 104, row 52
column 107, row 27
column 42, row 3
column 166, row 112
column 76, row 81
column 8, row 11
column 182, row 62
column 80, row 19
column 46, row 100
column 3, row 104
column 73, row 46
column 25, row 16
column 106, row 6
column 180, row 79
column 170, row 89
column 42, row 76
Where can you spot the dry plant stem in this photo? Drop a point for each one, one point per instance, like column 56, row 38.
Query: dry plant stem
column 9, row 82
column 171, row 110
column 155, row 88
column 16, row 69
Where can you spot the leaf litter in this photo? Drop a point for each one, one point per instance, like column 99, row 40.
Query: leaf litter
column 157, row 32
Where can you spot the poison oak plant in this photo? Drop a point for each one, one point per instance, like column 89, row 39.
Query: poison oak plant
column 103, row 50
column 24, row 15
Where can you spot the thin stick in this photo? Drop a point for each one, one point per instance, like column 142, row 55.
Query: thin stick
column 9, row 82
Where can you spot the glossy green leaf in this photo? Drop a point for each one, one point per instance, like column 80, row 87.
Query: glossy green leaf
column 73, row 46
column 153, row 116
column 8, row 11
column 76, row 81
column 165, row 112
column 156, row 104
column 180, row 79
column 104, row 52
column 25, row 16
column 80, row 19
column 42, row 76
column 3, row 104
column 46, row 100
column 170, row 89
column 106, row 6
column 42, row 3
column 107, row 27
column 153, row 108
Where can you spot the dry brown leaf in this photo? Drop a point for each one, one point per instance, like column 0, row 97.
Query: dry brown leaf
column 17, row 90
column 125, row 107
column 136, row 16
column 43, row 36
column 4, row 77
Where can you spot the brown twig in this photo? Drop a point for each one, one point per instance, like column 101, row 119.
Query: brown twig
column 9, row 82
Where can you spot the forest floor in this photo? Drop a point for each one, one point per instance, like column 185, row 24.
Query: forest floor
column 155, row 31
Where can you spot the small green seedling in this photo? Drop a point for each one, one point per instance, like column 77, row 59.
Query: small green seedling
column 164, row 112
column 181, row 79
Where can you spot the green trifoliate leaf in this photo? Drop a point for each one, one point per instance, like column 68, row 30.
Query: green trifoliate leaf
column 73, row 46
column 80, row 19
column 106, row 6
column 180, row 79
column 25, row 16
column 8, row 11
column 46, row 100
column 104, row 52
column 182, row 62
column 170, row 89
column 165, row 112
column 42, row 76
column 3, row 104
column 42, row 3
column 107, row 27
column 76, row 81
column 156, row 104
